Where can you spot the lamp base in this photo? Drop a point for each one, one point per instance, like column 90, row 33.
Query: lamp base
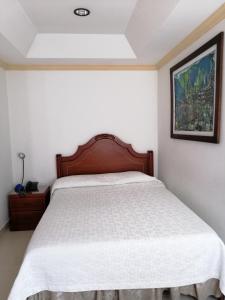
column 19, row 188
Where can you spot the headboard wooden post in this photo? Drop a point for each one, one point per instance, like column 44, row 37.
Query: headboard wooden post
column 150, row 163
column 58, row 165
column 104, row 153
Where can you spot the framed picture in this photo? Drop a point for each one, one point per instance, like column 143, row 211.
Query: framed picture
column 196, row 86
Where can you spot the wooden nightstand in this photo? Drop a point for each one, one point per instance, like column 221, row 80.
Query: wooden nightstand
column 25, row 211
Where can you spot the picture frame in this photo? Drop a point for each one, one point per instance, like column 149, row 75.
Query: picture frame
column 196, row 90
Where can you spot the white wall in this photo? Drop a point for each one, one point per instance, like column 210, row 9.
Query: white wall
column 53, row 112
column 195, row 171
column 5, row 157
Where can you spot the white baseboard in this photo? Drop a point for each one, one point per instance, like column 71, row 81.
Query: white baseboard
column 4, row 226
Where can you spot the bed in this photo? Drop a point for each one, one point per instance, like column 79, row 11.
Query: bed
column 113, row 231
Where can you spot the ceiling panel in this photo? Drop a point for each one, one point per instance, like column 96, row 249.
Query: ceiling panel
column 69, row 45
column 180, row 22
column 56, row 16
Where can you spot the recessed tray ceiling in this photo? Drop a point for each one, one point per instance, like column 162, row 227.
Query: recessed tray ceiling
column 116, row 32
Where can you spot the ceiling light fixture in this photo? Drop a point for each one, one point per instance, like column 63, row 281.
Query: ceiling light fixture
column 82, row 12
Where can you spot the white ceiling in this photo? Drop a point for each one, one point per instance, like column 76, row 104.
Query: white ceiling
column 117, row 31
column 90, row 46
column 56, row 16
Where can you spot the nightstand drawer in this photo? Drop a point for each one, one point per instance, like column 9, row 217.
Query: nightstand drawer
column 30, row 204
column 25, row 220
column 26, row 210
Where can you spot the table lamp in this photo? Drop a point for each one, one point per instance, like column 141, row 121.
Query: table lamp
column 19, row 188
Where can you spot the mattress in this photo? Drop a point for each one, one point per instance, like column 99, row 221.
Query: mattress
column 113, row 235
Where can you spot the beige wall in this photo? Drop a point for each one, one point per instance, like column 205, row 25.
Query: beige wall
column 5, row 153
column 54, row 112
column 194, row 171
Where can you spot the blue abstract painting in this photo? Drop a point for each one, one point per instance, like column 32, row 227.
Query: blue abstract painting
column 194, row 95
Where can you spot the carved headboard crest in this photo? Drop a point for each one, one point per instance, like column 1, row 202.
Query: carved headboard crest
column 104, row 153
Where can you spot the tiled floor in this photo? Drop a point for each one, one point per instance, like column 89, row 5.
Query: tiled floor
column 12, row 248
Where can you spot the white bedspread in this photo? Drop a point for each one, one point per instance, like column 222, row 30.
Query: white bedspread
column 128, row 236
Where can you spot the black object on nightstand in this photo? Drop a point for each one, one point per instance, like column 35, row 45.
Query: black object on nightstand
column 26, row 210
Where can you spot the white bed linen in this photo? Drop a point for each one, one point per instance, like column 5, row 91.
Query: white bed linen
column 128, row 236
column 100, row 179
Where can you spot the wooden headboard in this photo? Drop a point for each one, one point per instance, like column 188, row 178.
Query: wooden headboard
column 104, row 153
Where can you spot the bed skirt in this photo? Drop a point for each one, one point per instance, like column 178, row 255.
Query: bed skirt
column 199, row 291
